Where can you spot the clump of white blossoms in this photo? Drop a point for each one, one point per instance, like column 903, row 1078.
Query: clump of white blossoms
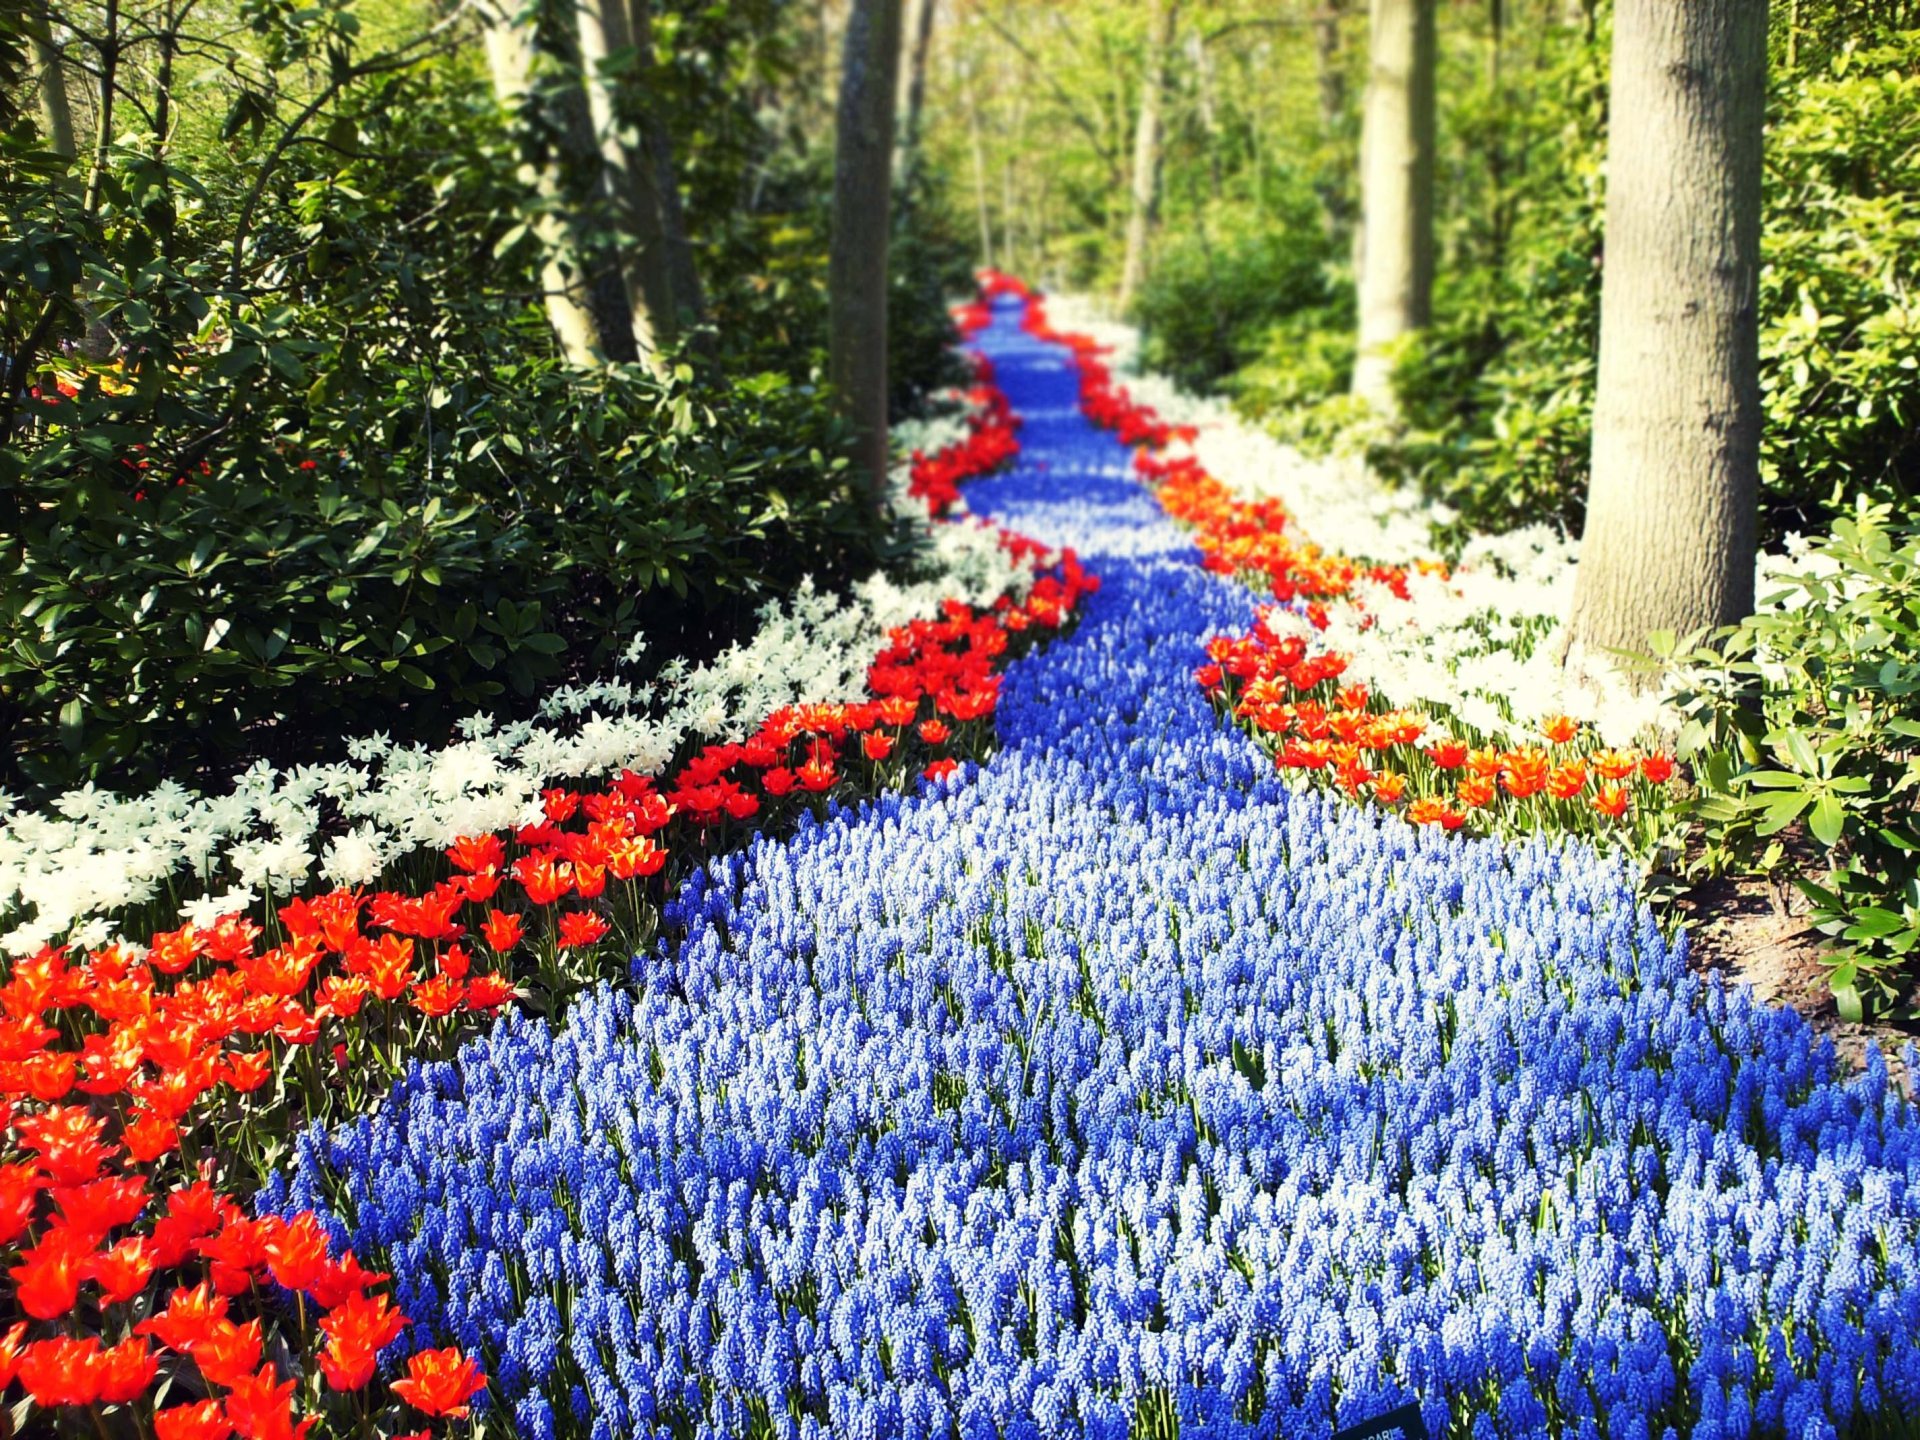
column 1482, row 645
column 93, row 853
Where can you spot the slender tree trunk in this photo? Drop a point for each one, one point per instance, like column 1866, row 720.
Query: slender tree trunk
column 981, row 208
column 1496, row 152
column 1146, row 151
column 1671, row 508
column 862, row 223
column 913, row 81
column 55, row 114
column 646, row 278
column 1330, row 75
column 1201, row 59
column 1396, row 193
column 689, row 296
column 1010, row 228
column 564, row 277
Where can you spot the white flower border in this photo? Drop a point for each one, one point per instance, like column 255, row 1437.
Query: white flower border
column 65, row 871
column 1455, row 645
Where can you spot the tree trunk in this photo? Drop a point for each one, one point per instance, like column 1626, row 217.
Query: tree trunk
column 1396, row 193
column 1201, row 58
column 857, row 260
column 913, row 82
column 1146, row 151
column 981, row 207
column 646, row 280
column 689, row 297
column 1329, row 67
column 55, row 114
column 564, row 279
column 1671, row 508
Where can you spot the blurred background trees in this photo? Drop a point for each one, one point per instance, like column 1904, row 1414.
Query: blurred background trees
column 1251, row 283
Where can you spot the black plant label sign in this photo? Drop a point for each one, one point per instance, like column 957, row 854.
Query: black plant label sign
column 1405, row 1420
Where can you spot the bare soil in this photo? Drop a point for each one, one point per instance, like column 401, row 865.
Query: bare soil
column 1755, row 933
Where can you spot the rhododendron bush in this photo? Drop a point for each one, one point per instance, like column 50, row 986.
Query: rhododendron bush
column 152, row 1084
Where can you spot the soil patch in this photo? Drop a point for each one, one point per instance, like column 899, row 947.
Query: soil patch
column 1755, row 933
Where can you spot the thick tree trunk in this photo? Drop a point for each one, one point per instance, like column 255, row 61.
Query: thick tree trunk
column 55, row 114
column 689, row 296
column 646, row 279
column 1671, row 509
column 1396, row 192
column 913, row 81
column 862, row 223
column 564, row 278
column 1146, row 151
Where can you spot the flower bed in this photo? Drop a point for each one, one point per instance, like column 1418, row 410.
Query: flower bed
column 1129, row 1091
column 1479, row 639
column 148, row 1084
column 1283, row 680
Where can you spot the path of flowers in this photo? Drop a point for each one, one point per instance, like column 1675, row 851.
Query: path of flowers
column 1116, row 1088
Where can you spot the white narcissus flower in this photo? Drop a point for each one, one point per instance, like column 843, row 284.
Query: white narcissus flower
column 1484, row 643
column 92, row 853
column 354, row 859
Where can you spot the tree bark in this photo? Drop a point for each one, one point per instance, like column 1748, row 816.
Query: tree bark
column 55, row 113
column 564, row 278
column 862, row 223
column 1201, row 58
column 646, row 278
column 913, row 81
column 689, row 296
column 1671, row 509
column 1329, row 70
column 982, row 209
column 1396, row 193
column 1144, row 193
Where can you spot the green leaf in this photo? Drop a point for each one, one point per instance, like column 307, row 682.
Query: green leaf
column 1781, row 812
column 1827, row 820
column 1846, row 995
column 1873, row 923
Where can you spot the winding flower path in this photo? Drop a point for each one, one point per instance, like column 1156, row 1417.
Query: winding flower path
column 1116, row 1088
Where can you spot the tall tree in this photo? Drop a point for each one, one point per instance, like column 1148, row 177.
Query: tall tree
column 564, row 278
column 55, row 114
column 862, row 223
column 646, row 274
column 1396, row 192
column 977, row 147
column 1162, row 18
column 913, row 80
column 689, row 296
column 1672, row 505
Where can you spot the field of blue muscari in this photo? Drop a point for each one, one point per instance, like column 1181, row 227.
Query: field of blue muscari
column 1116, row 1089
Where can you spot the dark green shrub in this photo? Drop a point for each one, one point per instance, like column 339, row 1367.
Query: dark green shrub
column 1221, row 284
column 1808, row 715
column 393, row 506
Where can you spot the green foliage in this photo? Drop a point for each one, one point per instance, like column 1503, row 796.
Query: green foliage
column 1497, row 395
column 781, row 257
column 1807, row 715
column 1840, row 294
column 1305, row 364
column 1220, row 287
column 927, row 266
column 323, row 472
